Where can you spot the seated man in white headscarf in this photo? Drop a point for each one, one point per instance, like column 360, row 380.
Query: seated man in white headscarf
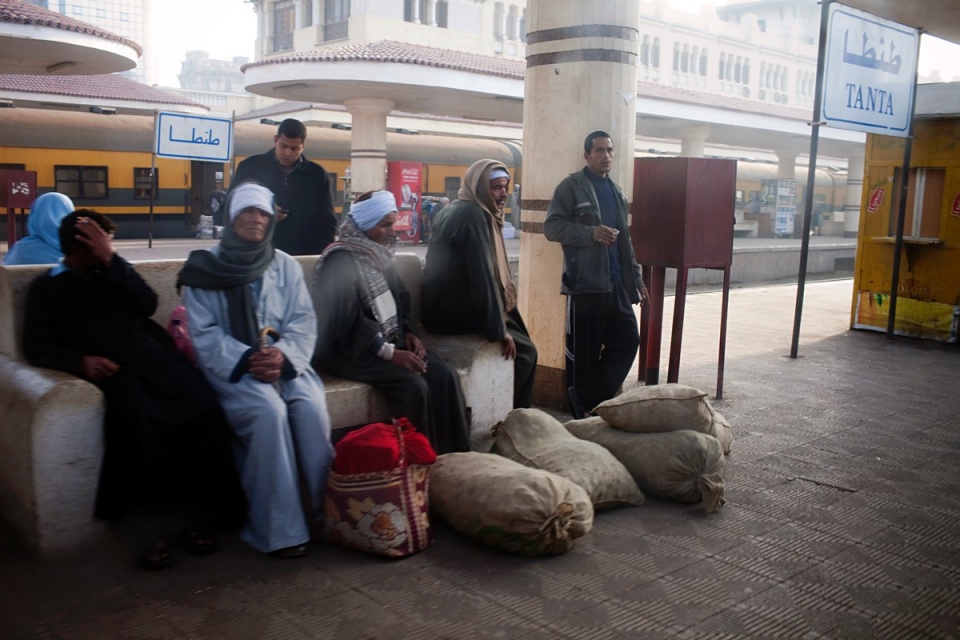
column 273, row 399
column 366, row 331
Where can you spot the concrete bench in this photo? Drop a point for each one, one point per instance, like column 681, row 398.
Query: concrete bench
column 51, row 436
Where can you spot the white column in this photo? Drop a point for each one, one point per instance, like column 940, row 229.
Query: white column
column 693, row 140
column 851, row 204
column 584, row 52
column 368, row 142
column 786, row 164
column 431, row 17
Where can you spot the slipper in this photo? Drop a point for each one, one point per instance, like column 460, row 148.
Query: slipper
column 199, row 543
column 156, row 557
column 296, row 551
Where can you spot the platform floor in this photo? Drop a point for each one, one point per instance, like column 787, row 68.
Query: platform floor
column 842, row 521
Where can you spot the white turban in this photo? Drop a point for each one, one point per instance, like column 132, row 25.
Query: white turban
column 250, row 194
column 499, row 173
column 370, row 212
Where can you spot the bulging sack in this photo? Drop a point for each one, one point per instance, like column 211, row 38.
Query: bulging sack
column 536, row 439
column 685, row 465
column 659, row 407
column 722, row 432
column 503, row 504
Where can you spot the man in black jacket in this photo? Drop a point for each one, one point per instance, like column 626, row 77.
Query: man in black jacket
column 304, row 195
column 601, row 277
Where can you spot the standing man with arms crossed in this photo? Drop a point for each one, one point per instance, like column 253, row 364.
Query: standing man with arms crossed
column 306, row 223
column 601, row 277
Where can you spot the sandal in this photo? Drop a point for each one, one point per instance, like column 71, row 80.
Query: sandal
column 199, row 543
column 296, row 551
column 156, row 557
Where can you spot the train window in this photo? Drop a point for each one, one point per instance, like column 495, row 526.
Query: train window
column 924, row 201
column 82, row 182
column 451, row 186
column 141, row 182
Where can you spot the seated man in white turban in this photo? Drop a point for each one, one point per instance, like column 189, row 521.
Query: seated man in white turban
column 366, row 331
column 273, row 399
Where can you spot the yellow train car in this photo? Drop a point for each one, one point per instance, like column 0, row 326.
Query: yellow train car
column 103, row 162
column 928, row 287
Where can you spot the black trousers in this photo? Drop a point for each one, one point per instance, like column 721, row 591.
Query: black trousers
column 602, row 341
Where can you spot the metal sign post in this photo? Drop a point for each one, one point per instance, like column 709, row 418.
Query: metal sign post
column 866, row 81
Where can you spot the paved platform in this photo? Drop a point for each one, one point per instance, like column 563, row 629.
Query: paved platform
column 841, row 521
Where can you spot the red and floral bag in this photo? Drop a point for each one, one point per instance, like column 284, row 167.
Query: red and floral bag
column 379, row 504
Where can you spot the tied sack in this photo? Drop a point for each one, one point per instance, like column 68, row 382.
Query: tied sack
column 505, row 505
column 536, row 439
column 380, row 503
column 659, row 407
column 684, row 465
column 722, row 432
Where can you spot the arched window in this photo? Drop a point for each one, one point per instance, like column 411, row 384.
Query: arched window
column 783, row 80
column 523, row 26
column 655, row 57
column 645, row 51
column 746, row 71
column 685, row 59
column 676, row 56
column 513, row 26
column 703, row 62
column 723, row 66
column 738, row 70
column 729, row 72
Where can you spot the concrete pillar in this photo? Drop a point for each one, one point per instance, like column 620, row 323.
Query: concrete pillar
column 581, row 76
column 693, row 140
column 368, row 142
column 851, row 205
column 786, row 164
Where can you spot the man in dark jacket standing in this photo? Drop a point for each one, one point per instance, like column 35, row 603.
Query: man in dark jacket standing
column 601, row 277
column 306, row 223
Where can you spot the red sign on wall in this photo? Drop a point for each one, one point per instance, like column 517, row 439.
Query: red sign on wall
column 403, row 180
column 875, row 200
column 18, row 189
column 955, row 209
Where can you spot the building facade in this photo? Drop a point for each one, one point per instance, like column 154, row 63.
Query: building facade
column 763, row 51
column 127, row 18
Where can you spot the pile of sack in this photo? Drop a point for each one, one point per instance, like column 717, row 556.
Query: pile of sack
column 537, row 494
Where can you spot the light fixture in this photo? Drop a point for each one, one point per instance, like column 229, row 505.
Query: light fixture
column 6, row 104
column 408, row 132
column 269, row 121
column 107, row 111
column 61, row 66
column 341, row 126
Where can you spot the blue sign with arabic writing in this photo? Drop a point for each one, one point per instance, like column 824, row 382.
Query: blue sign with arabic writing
column 870, row 70
column 194, row 137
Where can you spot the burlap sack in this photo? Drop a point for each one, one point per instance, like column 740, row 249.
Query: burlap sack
column 503, row 504
column 536, row 439
column 721, row 431
column 678, row 465
column 659, row 407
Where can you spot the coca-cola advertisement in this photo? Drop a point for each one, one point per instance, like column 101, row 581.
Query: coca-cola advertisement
column 403, row 181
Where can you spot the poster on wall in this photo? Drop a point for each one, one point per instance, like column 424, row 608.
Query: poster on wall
column 403, row 181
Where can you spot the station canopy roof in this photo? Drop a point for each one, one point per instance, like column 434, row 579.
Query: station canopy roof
column 36, row 41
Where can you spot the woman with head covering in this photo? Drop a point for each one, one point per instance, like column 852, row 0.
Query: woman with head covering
column 367, row 332
column 467, row 285
column 165, row 437
column 42, row 244
column 274, row 400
